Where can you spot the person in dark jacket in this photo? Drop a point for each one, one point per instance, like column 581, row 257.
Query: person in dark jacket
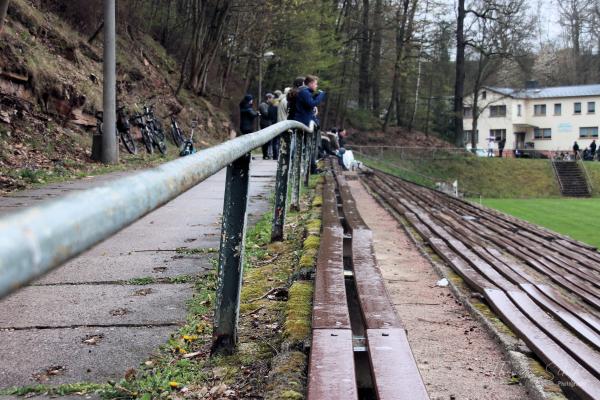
column 575, row 150
column 247, row 115
column 308, row 98
column 265, row 122
column 593, row 148
column 292, row 97
column 501, row 146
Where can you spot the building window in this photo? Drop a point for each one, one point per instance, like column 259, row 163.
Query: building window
column 498, row 134
column 539, row 110
column 591, row 107
column 497, row 111
column 468, row 137
column 519, row 108
column 542, row 133
column 468, row 112
column 590, row 132
column 483, row 95
column 577, row 108
column 557, row 109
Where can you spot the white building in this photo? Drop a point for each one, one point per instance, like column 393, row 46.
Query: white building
column 542, row 119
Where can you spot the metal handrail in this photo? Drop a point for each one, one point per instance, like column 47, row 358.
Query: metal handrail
column 37, row 239
column 553, row 163
column 588, row 181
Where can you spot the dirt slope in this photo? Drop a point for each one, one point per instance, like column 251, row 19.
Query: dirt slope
column 51, row 87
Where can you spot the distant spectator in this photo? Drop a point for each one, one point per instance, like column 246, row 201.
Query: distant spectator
column 265, row 122
column 273, row 116
column 247, row 115
column 282, row 108
column 307, row 99
column 491, row 142
column 342, row 135
column 593, row 148
column 292, row 97
column 501, row 145
column 575, row 149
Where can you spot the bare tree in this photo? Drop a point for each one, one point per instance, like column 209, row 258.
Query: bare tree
column 3, row 10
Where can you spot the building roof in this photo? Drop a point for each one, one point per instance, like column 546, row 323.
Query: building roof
column 549, row 92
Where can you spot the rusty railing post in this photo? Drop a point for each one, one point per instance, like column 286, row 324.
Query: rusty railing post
column 281, row 187
column 231, row 256
column 297, row 172
column 308, row 139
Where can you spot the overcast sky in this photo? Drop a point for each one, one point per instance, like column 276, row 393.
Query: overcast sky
column 547, row 10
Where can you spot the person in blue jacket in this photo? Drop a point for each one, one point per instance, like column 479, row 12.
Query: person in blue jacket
column 307, row 99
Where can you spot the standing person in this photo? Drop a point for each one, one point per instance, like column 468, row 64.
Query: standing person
column 247, row 115
column 307, row 99
column 501, row 145
column 282, row 108
column 265, row 122
column 272, row 114
column 491, row 147
column 575, row 149
column 593, row 148
column 292, row 97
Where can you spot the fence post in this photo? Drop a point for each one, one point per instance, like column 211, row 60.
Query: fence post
column 316, row 140
column 231, row 256
column 296, row 173
column 306, row 152
column 281, row 187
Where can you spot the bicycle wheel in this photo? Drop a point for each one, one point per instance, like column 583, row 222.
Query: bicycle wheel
column 128, row 142
column 162, row 147
column 147, row 140
column 177, row 136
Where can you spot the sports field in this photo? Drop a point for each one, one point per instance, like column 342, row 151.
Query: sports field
column 577, row 218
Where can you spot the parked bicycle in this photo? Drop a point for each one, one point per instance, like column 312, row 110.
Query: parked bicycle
column 177, row 133
column 151, row 128
column 155, row 127
column 122, row 131
column 139, row 121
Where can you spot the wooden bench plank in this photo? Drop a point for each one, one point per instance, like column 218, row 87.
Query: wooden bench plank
column 580, row 380
column 395, row 374
column 331, row 372
column 583, row 353
column 376, row 306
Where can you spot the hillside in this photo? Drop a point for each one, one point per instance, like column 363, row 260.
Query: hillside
column 51, row 87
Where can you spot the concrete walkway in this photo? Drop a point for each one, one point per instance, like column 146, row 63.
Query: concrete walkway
column 48, row 325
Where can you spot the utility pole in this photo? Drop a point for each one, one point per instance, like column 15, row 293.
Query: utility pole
column 3, row 11
column 110, row 150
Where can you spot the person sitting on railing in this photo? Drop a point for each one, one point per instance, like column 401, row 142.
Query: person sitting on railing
column 247, row 115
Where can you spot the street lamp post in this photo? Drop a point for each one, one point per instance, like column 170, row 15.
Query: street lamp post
column 268, row 54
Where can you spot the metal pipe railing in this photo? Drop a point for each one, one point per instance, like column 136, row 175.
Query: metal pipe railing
column 36, row 240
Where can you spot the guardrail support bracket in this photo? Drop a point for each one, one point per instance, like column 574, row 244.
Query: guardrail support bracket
column 231, row 256
column 281, row 187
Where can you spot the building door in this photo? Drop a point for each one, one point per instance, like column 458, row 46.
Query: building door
column 519, row 140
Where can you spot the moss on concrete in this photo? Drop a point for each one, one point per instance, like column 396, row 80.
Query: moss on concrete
column 298, row 312
column 287, row 378
column 312, row 242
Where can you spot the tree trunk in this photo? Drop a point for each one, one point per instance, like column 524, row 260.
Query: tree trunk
column 363, row 70
column 3, row 10
column 459, row 85
column 376, row 57
column 401, row 16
